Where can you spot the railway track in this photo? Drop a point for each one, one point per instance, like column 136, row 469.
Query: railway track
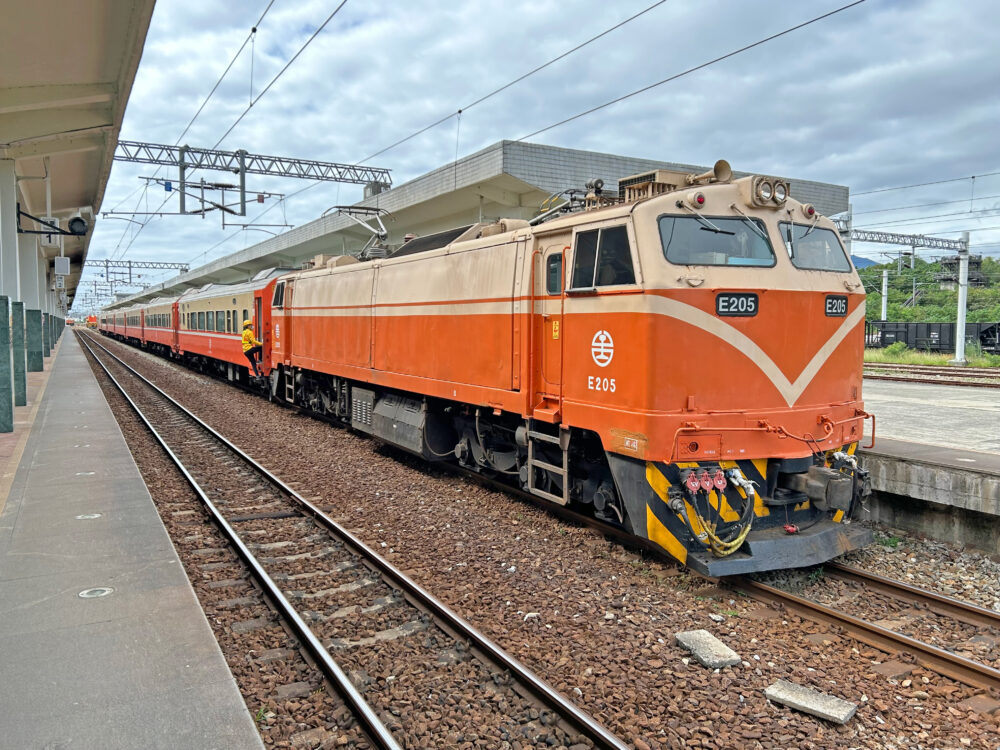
column 954, row 621
column 982, row 377
column 354, row 613
column 936, row 658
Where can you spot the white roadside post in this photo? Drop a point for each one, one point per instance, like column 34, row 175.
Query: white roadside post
column 963, row 297
column 885, row 295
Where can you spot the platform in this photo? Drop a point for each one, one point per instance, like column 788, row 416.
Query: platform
column 138, row 667
column 938, row 445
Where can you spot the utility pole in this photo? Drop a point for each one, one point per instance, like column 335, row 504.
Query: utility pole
column 885, row 294
column 963, row 297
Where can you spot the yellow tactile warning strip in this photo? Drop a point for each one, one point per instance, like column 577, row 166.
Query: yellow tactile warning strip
column 22, row 427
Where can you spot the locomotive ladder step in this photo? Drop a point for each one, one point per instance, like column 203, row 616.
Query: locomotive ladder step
column 563, row 471
column 542, row 436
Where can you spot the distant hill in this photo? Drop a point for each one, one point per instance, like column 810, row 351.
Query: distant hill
column 860, row 262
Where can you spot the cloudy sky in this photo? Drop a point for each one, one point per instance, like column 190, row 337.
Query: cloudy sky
column 881, row 95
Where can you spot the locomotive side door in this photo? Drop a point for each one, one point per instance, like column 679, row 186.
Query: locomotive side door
column 548, row 294
column 262, row 327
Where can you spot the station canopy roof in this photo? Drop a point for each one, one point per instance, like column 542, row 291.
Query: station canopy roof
column 66, row 71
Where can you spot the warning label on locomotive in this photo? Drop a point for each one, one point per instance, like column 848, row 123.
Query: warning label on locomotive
column 739, row 304
column 836, row 305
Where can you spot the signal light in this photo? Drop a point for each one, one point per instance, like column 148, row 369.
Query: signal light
column 696, row 199
column 809, row 210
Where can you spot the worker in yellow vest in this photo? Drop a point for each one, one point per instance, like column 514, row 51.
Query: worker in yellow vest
column 251, row 346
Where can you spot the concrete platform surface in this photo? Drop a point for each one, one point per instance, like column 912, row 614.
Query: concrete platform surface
column 137, row 668
column 961, row 417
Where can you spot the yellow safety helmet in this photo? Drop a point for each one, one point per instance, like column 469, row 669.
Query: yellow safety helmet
column 247, row 323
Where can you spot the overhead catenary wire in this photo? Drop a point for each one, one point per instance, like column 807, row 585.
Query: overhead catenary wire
column 515, row 81
column 613, row 101
column 449, row 116
column 925, row 184
column 923, row 205
column 280, row 72
column 187, row 127
column 691, row 70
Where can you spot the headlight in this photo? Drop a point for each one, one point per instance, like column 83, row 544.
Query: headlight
column 780, row 192
column 765, row 191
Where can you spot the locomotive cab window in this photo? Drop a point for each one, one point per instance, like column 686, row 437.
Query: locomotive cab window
column 553, row 273
column 279, row 295
column 602, row 258
column 813, row 249
column 711, row 241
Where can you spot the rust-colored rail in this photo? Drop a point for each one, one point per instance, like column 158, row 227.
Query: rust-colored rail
column 936, row 659
column 982, row 377
column 934, row 381
column 940, row 604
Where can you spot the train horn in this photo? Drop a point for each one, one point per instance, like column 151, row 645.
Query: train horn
column 721, row 172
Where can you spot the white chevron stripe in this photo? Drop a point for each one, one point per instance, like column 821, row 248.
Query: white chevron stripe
column 717, row 327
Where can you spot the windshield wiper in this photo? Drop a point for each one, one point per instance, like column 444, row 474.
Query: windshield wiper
column 811, row 227
column 789, row 240
column 705, row 223
column 749, row 222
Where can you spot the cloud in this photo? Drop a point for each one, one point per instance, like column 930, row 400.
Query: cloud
column 883, row 94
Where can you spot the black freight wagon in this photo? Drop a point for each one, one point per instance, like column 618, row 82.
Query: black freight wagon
column 931, row 337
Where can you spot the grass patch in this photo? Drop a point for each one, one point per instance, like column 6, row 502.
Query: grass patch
column 889, row 541
column 902, row 356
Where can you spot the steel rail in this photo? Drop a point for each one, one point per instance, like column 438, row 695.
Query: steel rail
column 931, row 600
column 541, row 690
column 933, row 381
column 361, row 708
column 949, row 369
column 936, row 659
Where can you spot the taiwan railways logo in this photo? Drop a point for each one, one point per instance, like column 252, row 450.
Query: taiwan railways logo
column 602, row 348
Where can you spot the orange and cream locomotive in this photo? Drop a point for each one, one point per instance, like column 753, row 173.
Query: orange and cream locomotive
column 683, row 359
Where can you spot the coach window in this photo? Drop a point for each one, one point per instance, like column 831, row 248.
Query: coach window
column 220, row 321
column 279, row 295
column 246, row 316
column 553, row 273
column 210, row 320
column 602, row 258
column 201, row 321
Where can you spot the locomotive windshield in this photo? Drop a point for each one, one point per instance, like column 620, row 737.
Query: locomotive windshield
column 710, row 241
column 813, row 249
